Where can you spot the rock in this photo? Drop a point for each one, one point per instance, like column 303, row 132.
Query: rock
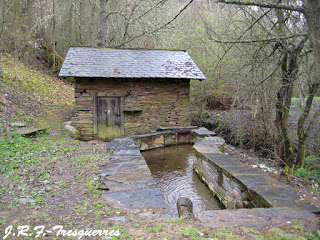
column 26, row 200
column 185, row 207
column 3, row 101
column 67, row 123
column 73, row 131
column 166, row 217
column 17, row 125
column 146, row 214
column 117, row 219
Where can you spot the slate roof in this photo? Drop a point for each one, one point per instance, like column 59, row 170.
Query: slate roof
column 125, row 63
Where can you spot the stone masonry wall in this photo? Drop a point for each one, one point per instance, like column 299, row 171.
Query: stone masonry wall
column 148, row 103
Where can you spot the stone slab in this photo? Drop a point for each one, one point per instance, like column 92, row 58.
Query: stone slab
column 121, row 143
column 255, row 181
column 203, row 132
column 29, row 131
column 205, row 149
column 211, row 142
column 257, row 217
column 138, row 199
column 177, row 128
column 278, row 195
column 130, row 152
column 222, row 160
column 243, row 170
column 114, row 168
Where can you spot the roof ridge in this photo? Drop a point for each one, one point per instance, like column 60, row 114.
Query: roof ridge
column 142, row 49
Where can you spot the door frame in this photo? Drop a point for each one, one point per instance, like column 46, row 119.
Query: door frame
column 95, row 110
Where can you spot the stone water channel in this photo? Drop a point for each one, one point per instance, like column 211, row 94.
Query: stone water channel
column 259, row 199
column 172, row 168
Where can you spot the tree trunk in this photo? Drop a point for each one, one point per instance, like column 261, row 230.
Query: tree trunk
column 289, row 71
column 103, row 24
column 303, row 131
column 313, row 20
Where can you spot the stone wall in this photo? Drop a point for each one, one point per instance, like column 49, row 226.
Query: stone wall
column 232, row 193
column 148, row 103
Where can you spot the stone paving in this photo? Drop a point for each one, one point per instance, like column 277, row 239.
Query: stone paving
column 128, row 178
column 129, row 181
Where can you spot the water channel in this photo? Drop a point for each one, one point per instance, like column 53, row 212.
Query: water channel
column 172, row 167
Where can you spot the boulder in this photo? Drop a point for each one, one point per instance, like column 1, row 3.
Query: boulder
column 73, row 132
column 67, row 123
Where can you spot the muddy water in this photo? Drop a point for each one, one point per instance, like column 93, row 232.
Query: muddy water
column 172, row 169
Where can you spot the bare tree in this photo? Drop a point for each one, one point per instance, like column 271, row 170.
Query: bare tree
column 289, row 71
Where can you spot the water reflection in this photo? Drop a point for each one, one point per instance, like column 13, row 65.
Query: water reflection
column 173, row 171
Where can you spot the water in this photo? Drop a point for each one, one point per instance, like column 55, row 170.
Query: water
column 173, row 171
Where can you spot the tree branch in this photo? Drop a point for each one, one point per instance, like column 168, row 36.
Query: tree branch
column 251, row 26
column 157, row 29
column 259, row 83
column 264, row 5
column 259, row 40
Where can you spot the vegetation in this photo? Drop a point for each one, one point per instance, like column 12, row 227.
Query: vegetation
column 261, row 60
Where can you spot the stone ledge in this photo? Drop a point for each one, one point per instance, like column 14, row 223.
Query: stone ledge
column 252, row 182
column 257, row 217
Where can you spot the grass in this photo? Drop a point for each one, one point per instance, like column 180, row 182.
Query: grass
column 38, row 84
column 297, row 100
column 311, row 170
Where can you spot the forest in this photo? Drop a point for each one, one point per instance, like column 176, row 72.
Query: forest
column 261, row 59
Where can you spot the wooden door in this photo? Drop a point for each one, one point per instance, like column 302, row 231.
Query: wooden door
column 109, row 118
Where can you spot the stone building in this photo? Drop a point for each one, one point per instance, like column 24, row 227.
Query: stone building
column 128, row 92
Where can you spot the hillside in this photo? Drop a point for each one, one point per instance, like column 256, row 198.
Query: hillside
column 32, row 96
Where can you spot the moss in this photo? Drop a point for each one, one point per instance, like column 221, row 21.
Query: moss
column 291, row 150
column 47, row 53
column 221, row 148
column 108, row 132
